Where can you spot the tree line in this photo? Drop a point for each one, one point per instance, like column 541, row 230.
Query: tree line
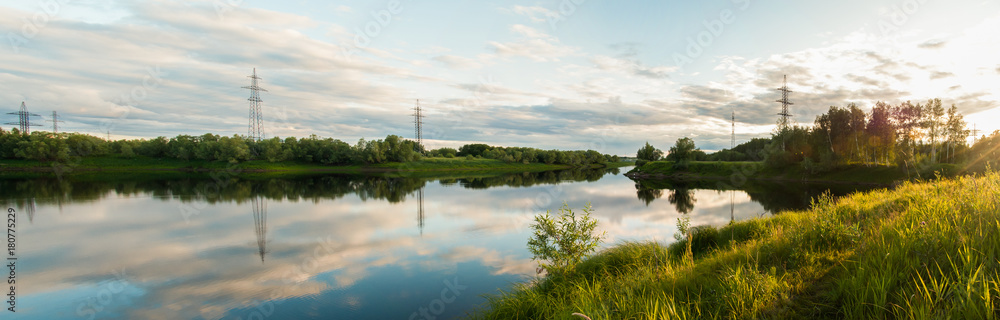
column 61, row 147
column 907, row 135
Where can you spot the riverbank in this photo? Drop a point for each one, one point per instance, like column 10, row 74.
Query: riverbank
column 921, row 250
column 139, row 164
column 741, row 171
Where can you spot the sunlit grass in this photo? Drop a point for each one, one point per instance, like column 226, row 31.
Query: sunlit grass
column 919, row 251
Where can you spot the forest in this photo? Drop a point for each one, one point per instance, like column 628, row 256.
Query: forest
column 61, row 147
column 907, row 135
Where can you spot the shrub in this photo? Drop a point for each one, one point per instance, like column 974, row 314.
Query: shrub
column 560, row 242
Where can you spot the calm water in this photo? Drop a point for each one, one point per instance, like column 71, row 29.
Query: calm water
column 322, row 247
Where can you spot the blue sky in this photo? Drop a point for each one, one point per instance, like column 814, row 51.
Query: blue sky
column 567, row 74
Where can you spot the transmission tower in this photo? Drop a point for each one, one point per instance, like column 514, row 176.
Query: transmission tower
column 783, row 121
column 732, row 144
column 256, row 128
column 418, row 125
column 974, row 133
column 23, row 119
column 55, row 122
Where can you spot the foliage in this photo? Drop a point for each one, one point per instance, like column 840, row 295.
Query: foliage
column 649, row 153
column 919, row 251
column 923, row 133
column 560, row 242
column 683, row 152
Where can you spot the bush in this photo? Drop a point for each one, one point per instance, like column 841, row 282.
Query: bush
column 560, row 242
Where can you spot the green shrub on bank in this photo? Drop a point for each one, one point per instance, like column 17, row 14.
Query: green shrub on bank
column 922, row 250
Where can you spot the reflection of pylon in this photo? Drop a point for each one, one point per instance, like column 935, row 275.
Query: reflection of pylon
column 29, row 208
column 420, row 211
column 260, row 224
column 23, row 119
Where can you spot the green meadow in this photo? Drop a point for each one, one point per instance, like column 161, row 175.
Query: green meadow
column 923, row 250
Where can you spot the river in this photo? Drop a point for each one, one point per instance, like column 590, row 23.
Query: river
column 326, row 246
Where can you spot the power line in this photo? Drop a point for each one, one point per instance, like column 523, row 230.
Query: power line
column 23, row 119
column 55, row 122
column 733, row 142
column 783, row 121
column 255, row 128
column 974, row 133
column 418, row 124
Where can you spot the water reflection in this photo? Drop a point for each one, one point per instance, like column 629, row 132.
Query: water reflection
column 774, row 197
column 683, row 199
column 260, row 224
column 335, row 246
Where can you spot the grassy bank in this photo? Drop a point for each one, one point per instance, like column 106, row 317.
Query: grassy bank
column 118, row 165
column 758, row 171
column 919, row 251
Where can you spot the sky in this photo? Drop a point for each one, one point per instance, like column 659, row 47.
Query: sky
column 551, row 74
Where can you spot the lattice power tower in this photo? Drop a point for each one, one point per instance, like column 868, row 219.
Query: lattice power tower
column 418, row 125
column 783, row 121
column 23, row 119
column 732, row 144
column 255, row 131
column 55, row 122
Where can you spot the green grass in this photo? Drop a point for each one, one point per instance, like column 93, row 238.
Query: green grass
column 106, row 164
column 854, row 173
column 928, row 250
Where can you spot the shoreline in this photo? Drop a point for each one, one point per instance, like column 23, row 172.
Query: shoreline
column 9, row 168
column 757, row 171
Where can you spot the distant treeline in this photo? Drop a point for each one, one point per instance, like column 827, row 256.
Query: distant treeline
column 312, row 188
column 907, row 135
column 46, row 146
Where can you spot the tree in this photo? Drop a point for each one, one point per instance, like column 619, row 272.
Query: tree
column 561, row 242
column 475, row 149
column 955, row 132
column 682, row 152
column 648, row 153
column 906, row 119
column 933, row 123
column 881, row 133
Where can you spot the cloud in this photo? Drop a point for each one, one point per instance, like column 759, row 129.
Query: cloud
column 932, row 44
column 535, row 13
column 456, row 62
column 631, row 67
column 941, row 75
column 533, row 44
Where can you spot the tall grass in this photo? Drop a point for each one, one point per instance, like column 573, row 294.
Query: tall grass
column 920, row 251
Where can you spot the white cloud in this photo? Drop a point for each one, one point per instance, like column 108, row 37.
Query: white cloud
column 456, row 62
column 535, row 13
column 533, row 44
